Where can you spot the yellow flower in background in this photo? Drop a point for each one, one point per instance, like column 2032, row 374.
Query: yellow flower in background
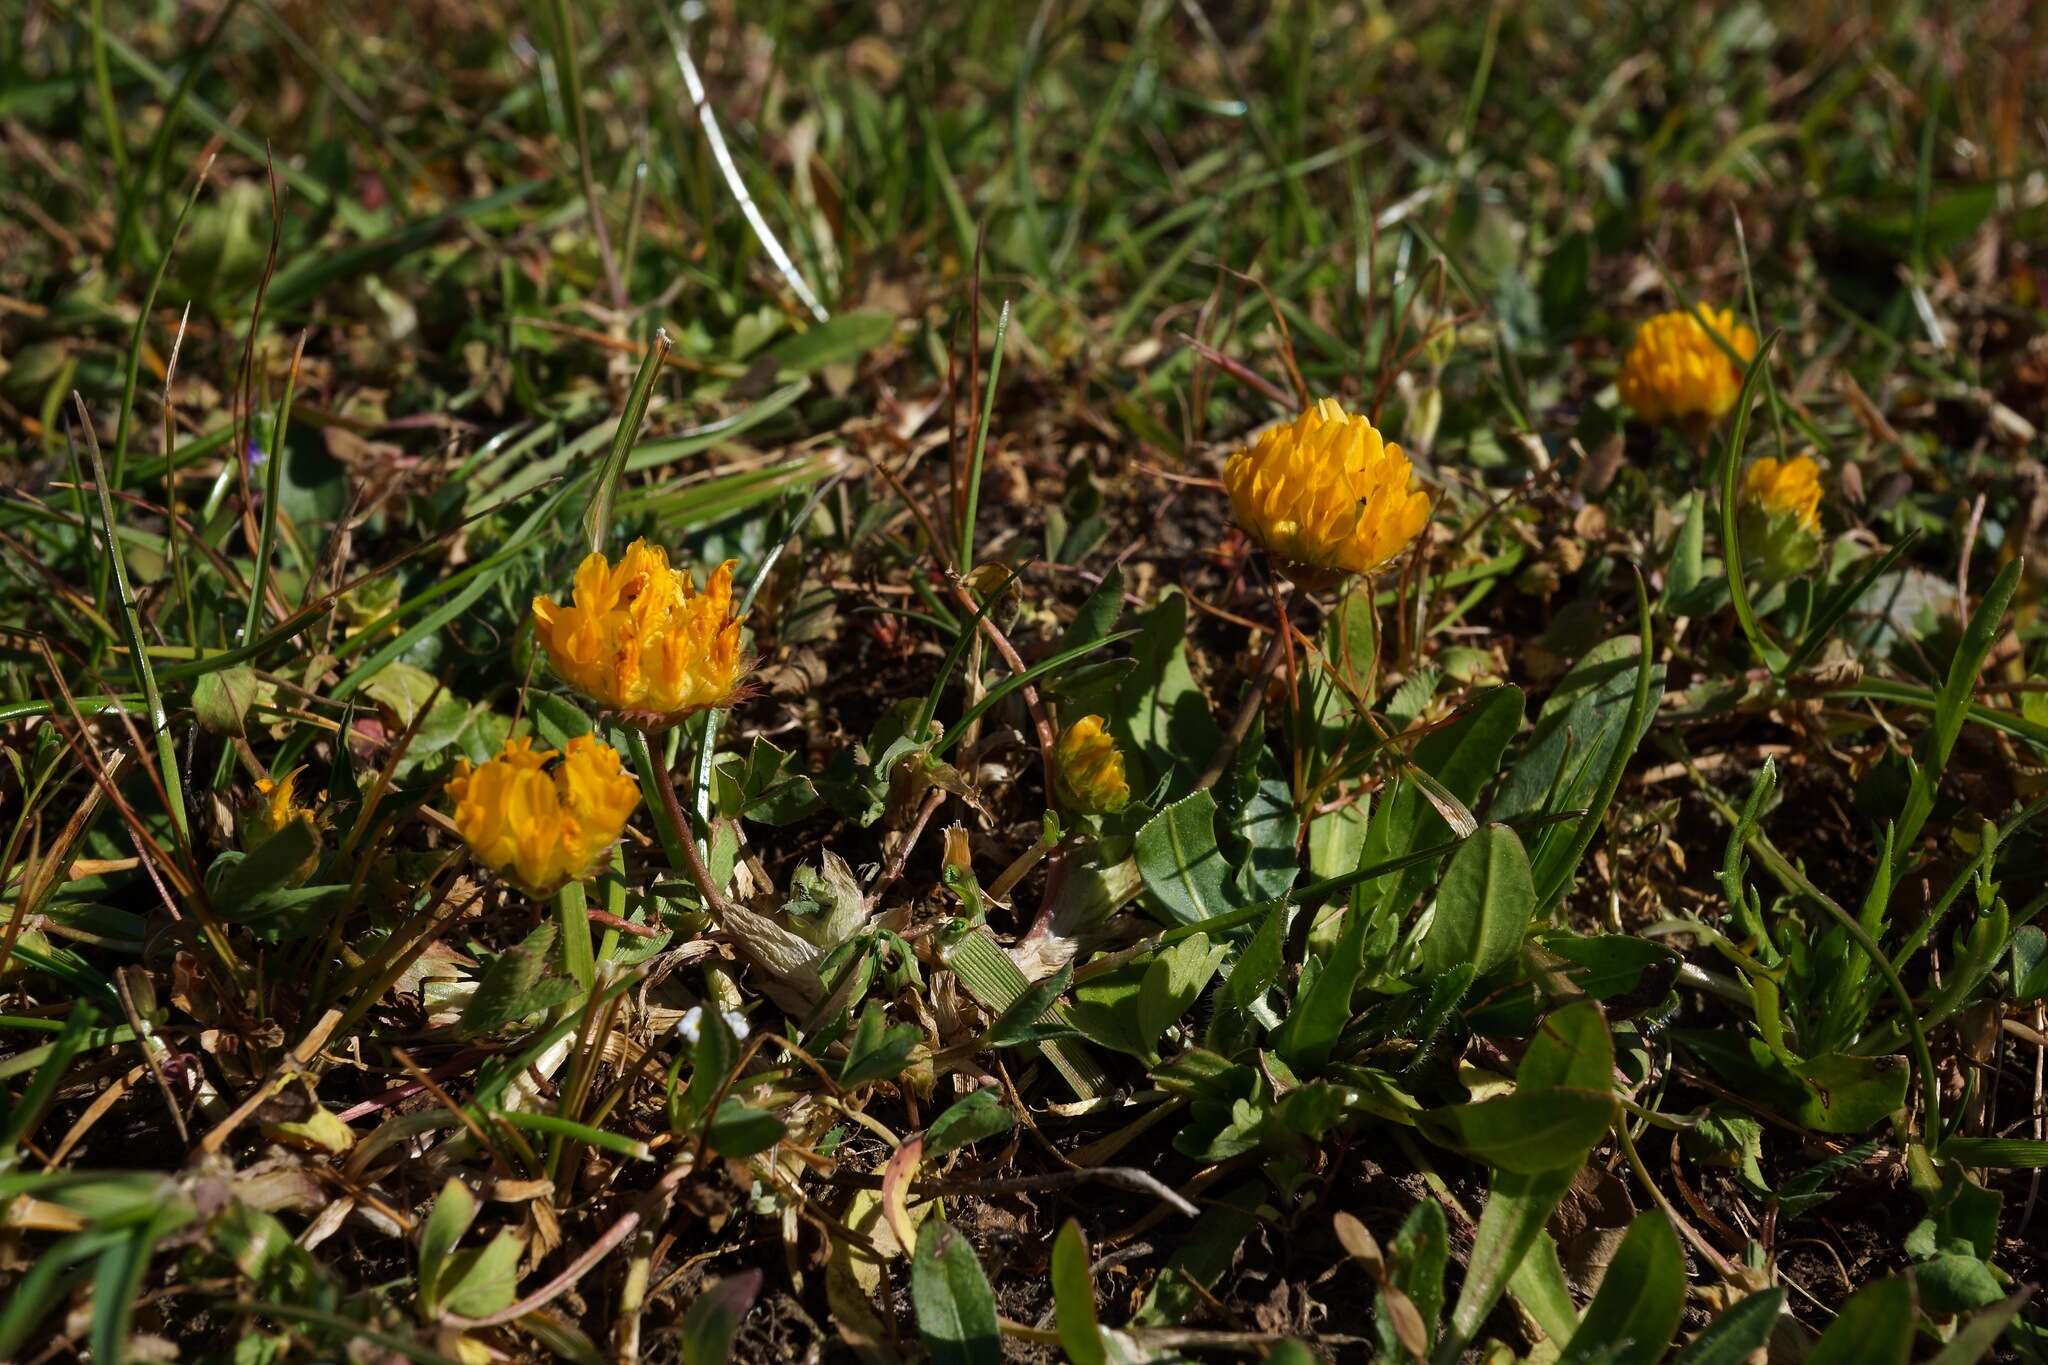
column 538, row 826
column 1090, row 770
column 1673, row 369
column 1785, row 488
column 1326, row 495
column 640, row 638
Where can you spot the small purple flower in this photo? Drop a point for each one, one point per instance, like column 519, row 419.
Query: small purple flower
column 254, row 456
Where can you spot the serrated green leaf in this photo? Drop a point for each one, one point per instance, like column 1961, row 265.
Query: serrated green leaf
column 519, row 983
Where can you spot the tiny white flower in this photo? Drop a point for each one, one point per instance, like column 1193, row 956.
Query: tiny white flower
column 691, row 1025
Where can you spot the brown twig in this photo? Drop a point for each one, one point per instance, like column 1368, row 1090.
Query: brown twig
column 476, row 1130
column 624, row 926
column 1247, row 712
column 715, row 900
column 935, row 798
column 298, row 1059
column 1125, row 1177
column 1040, row 720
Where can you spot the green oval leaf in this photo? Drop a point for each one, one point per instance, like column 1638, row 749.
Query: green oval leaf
column 1641, row 1299
column 1484, row 904
column 956, row 1312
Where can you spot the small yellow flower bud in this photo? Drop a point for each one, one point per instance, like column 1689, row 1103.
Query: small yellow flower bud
column 1779, row 507
column 540, row 828
column 1325, row 495
column 641, row 640
column 1785, row 488
column 1674, row 370
column 1089, row 770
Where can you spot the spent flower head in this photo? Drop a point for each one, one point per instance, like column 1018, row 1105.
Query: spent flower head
column 1325, row 495
column 1674, row 370
column 1090, row 770
column 541, row 826
column 639, row 638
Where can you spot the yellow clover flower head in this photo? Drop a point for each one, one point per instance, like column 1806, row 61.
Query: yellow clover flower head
column 1326, row 495
column 1789, row 488
column 640, row 639
column 1673, row 370
column 1778, row 513
column 540, row 826
column 1090, row 770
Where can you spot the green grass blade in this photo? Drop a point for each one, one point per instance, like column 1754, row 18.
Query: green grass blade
column 20, row 1117
column 988, row 406
column 1841, row 601
column 1731, row 540
column 273, row 483
column 597, row 519
column 131, row 620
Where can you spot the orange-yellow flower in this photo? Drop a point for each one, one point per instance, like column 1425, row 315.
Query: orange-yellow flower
column 1785, row 488
column 1674, row 370
column 275, row 810
column 542, row 826
column 640, row 639
column 277, row 807
column 1326, row 495
column 1090, row 770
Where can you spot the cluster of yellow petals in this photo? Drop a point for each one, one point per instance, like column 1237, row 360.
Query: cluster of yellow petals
column 1785, row 488
column 277, row 807
column 1674, row 370
column 1326, row 495
column 1090, row 769
column 538, row 826
column 640, row 639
